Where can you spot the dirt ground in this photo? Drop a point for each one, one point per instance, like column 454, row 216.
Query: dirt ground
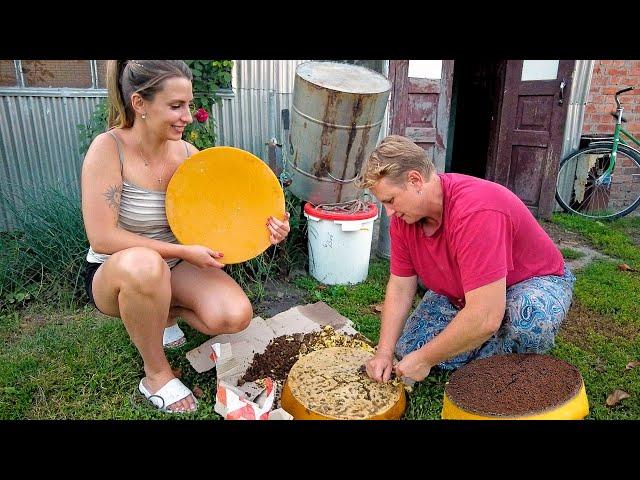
column 280, row 295
column 579, row 321
column 565, row 239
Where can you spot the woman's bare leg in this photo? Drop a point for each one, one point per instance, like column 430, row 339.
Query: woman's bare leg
column 135, row 285
column 209, row 300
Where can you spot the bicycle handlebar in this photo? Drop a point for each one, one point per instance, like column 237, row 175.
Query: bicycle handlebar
column 623, row 90
column 619, row 92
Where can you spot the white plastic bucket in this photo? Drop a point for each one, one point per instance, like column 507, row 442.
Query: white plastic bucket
column 339, row 244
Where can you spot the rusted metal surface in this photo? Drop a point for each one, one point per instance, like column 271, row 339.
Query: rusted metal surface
column 444, row 110
column 421, row 108
column 336, row 116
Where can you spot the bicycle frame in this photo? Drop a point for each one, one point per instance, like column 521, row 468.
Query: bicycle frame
column 585, row 171
column 617, row 139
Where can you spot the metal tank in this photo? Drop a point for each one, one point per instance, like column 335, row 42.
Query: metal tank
column 336, row 116
column 384, row 239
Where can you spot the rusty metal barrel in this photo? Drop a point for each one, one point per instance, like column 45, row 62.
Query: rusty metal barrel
column 336, row 116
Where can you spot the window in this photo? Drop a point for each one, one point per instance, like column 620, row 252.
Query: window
column 540, row 70
column 425, row 69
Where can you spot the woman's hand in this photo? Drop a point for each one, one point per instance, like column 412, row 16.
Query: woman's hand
column 379, row 367
column 413, row 366
column 278, row 230
column 201, row 256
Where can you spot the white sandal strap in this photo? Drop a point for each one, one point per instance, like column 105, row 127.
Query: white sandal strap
column 170, row 393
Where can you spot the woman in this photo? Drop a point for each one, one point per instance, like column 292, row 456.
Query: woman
column 136, row 270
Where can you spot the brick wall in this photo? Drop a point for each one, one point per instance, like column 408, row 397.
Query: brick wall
column 608, row 77
column 7, row 73
column 52, row 73
column 626, row 182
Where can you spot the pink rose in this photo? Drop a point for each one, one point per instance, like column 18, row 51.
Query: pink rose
column 202, row 115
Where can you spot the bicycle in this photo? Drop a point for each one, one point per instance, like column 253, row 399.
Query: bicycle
column 602, row 180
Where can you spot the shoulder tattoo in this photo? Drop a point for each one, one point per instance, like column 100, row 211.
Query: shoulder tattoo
column 112, row 196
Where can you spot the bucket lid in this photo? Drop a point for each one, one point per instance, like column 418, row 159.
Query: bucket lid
column 370, row 212
column 343, row 77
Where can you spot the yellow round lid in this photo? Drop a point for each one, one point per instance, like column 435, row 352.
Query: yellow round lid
column 221, row 198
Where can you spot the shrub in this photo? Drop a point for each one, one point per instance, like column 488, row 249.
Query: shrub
column 48, row 246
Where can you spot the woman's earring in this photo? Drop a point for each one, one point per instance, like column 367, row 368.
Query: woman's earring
column 144, row 115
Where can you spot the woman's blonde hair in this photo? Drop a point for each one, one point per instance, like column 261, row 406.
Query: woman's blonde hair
column 392, row 159
column 126, row 77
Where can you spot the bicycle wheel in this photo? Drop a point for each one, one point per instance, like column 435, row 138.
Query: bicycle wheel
column 583, row 188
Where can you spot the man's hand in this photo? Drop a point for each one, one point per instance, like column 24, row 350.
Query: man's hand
column 379, row 367
column 413, row 366
column 278, row 230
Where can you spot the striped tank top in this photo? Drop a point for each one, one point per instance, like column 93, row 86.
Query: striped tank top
column 141, row 211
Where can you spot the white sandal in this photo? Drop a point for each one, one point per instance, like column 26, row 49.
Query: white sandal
column 170, row 393
column 173, row 337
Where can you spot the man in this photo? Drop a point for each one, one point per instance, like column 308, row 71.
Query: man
column 495, row 281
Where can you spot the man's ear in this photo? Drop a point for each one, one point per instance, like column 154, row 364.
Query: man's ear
column 415, row 179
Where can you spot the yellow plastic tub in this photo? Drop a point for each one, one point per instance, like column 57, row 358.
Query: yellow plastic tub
column 575, row 409
column 508, row 387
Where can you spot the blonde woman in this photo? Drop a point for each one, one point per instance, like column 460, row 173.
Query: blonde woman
column 136, row 270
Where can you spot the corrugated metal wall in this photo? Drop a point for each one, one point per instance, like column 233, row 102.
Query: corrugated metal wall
column 39, row 140
column 577, row 101
column 38, row 127
column 575, row 116
column 251, row 116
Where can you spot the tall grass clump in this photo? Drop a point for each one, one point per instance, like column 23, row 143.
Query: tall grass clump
column 44, row 255
column 277, row 261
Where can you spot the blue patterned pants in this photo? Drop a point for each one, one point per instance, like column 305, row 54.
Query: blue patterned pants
column 535, row 309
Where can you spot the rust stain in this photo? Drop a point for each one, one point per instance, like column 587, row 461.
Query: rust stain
column 364, row 142
column 356, row 113
column 323, row 165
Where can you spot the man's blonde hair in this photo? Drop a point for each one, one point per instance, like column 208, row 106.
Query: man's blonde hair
column 392, row 159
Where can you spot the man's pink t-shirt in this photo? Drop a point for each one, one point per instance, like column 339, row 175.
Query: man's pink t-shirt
column 486, row 234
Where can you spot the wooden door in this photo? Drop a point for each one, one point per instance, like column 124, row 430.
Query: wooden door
column 532, row 121
column 420, row 108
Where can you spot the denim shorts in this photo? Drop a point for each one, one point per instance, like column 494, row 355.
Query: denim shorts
column 535, row 308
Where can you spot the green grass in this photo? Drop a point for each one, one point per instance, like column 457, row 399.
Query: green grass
column 603, row 288
column 354, row 302
column 602, row 367
column 81, row 366
column 58, row 362
column 611, row 238
column 571, row 254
